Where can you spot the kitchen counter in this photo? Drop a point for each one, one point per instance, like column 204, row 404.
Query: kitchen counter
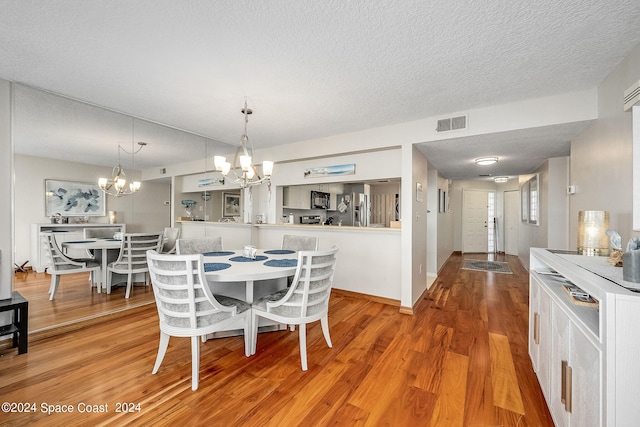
column 318, row 227
column 369, row 258
column 286, row 225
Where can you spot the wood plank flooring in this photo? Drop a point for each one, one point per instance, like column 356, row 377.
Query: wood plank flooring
column 461, row 360
column 75, row 301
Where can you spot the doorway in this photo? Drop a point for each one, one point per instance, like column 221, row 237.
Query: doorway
column 478, row 213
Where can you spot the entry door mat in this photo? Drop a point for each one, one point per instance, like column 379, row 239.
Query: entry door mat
column 492, row 266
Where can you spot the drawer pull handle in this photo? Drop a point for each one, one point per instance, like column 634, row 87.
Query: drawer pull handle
column 566, row 386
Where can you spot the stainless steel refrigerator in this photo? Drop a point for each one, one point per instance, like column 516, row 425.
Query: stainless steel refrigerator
column 352, row 209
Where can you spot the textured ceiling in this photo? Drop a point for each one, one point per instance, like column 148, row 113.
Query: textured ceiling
column 309, row 69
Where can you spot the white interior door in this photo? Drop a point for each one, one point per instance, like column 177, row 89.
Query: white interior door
column 511, row 221
column 474, row 221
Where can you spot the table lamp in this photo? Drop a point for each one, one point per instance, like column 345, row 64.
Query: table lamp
column 592, row 233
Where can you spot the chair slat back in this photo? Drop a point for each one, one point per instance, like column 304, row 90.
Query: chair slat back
column 299, row 243
column 198, row 245
column 183, row 298
column 311, row 287
column 58, row 260
column 133, row 253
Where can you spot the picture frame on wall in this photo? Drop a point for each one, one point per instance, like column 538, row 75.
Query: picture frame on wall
column 230, row 204
column 72, row 198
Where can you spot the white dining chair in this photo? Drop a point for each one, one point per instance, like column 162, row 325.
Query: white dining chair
column 187, row 308
column 169, row 240
column 198, row 245
column 133, row 257
column 61, row 264
column 299, row 243
column 306, row 301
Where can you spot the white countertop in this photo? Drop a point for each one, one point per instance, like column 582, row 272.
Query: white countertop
column 307, row 226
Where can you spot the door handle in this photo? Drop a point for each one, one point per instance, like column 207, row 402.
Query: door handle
column 536, row 328
column 563, row 381
column 569, row 392
column 566, row 386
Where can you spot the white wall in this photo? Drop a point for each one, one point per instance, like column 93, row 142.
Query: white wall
column 414, row 227
column 602, row 155
column 142, row 212
column 445, row 226
column 433, row 237
column 6, row 193
column 552, row 208
column 558, row 204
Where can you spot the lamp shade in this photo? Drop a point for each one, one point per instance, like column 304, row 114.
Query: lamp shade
column 592, row 233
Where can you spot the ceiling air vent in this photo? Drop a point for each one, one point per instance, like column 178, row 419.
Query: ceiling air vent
column 632, row 96
column 452, row 123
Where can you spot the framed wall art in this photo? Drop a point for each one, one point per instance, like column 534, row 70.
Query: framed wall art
column 230, row 204
column 71, row 198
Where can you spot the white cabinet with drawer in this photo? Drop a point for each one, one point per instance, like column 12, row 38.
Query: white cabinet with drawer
column 64, row 233
column 585, row 357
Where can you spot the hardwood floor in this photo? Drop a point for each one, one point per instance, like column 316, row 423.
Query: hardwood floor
column 461, row 360
column 75, row 302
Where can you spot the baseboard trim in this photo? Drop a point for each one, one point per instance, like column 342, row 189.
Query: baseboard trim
column 382, row 300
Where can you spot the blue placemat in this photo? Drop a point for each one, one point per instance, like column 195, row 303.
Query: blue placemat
column 279, row 251
column 217, row 253
column 215, row 266
column 80, row 241
column 245, row 259
column 281, row 263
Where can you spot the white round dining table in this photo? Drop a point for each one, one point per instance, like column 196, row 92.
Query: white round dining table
column 236, row 268
column 103, row 244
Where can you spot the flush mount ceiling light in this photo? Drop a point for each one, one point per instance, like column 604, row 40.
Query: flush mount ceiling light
column 483, row 161
column 249, row 175
column 501, row 179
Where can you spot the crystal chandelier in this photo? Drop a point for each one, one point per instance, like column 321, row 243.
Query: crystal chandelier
column 249, row 176
column 117, row 185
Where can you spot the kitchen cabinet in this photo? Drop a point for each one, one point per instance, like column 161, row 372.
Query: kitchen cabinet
column 296, row 197
column 585, row 357
column 299, row 196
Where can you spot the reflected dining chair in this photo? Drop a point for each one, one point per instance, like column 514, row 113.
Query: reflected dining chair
column 187, row 308
column 299, row 243
column 306, row 301
column 198, row 245
column 169, row 240
column 61, row 264
column 133, row 258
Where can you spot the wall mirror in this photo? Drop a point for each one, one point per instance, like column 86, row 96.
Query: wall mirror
column 44, row 125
